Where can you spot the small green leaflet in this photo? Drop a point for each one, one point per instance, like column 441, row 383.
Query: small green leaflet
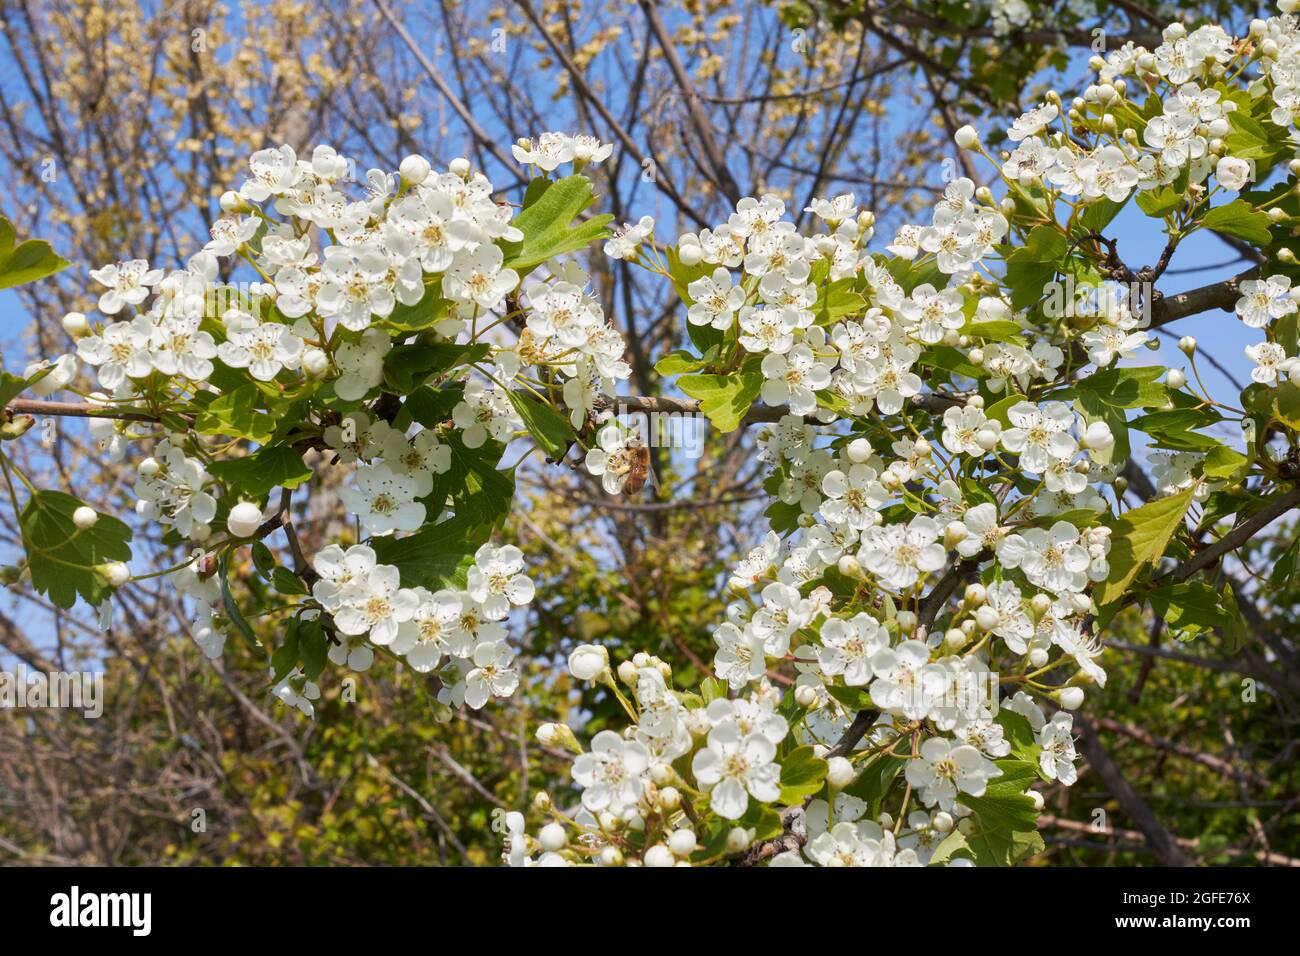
column 549, row 428
column 725, row 399
column 1237, row 218
column 802, row 774
column 548, row 210
column 25, row 262
column 236, row 414
column 1138, row 538
column 231, row 606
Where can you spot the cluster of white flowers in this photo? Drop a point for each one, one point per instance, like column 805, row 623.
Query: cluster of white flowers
column 345, row 275
column 458, row 633
column 1262, row 302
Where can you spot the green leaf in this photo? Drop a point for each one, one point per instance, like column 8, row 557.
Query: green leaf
column 1099, row 215
column 473, row 486
column 1192, row 604
column 64, row 559
column 263, row 560
column 1018, row 733
column 408, row 366
column 679, row 362
column 313, row 645
column 725, row 399
column 837, row 300
column 1138, row 538
column 1238, row 219
column 802, row 774
column 236, row 414
column 1005, row 817
column 287, row 583
column 875, row 780
column 545, row 222
column 551, row 430
column 1124, row 387
column 27, row 261
column 995, row 330
column 254, row 475
column 231, row 607
column 1286, row 405
column 1158, row 203
column 1224, row 462
column 437, row 556
column 285, row 658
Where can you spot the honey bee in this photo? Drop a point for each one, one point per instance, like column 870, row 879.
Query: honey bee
column 638, row 456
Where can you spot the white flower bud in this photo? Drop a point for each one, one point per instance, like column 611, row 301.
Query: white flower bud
column 232, row 202
column 1097, row 436
column 542, row 801
column 682, row 842
column 315, row 362
column 547, row 734
column 690, row 254
column 148, row 468
column 627, row 673
column 906, row 622
column 976, row 356
column 922, row 447
column 1040, row 604
column 116, row 573
column 84, row 517
column 610, row 856
column 1187, row 344
column 859, row 450
column 670, row 798
column 805, row 696
column 976, row 594
column 955, row 638
column 1037, row 657
column 943, row 821
column 987, row 439
column 1037, row 797
column 414, row 170
column 659, row 855
column 1069, row 697
column 552, row 837
column 1175, row 379
column 975, row 401
column 840, row 774
column 75, row 324
column 738, row 840
column 849, row 566
column 459, row 167
column 662, row 774
column 200, row 531
column 954, row 534
column 244, row 519
column 966, row 137
column 588, row 661
column 987, row 618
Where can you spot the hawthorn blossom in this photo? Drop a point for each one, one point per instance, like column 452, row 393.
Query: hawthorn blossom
column 496, row 581
column 734, row 766
column 944, row 770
